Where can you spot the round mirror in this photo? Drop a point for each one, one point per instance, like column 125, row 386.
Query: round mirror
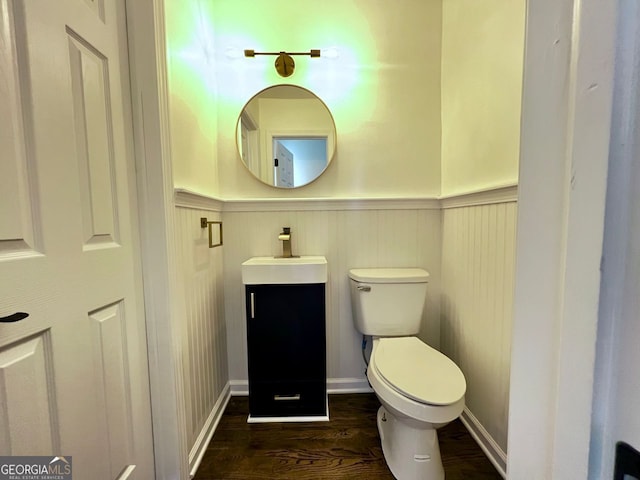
column 286, row 136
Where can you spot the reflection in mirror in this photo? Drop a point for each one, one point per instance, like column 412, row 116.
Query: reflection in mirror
column 286, row 136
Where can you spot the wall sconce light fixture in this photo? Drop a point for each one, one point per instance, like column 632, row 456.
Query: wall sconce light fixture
column 284, row 63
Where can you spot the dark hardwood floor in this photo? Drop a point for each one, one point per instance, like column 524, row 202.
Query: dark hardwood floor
column 346, row 447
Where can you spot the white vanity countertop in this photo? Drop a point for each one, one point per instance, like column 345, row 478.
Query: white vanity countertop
column 275, row 270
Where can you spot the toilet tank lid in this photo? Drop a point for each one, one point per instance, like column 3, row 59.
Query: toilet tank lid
column 389, row 275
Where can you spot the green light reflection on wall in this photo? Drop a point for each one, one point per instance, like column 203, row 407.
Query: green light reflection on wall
column 347, row 83
column 190, row 45
column 207, row 39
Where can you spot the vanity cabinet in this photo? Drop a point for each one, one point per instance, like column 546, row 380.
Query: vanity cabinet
column 286, row 350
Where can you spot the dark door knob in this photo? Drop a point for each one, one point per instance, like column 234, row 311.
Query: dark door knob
column 16, row 317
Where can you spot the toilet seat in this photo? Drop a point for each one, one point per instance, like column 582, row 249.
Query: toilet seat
column 418, row 371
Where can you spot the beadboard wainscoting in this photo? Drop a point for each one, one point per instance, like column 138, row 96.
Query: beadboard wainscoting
column 466, row 242
column 204, row 336
column 478, row 238
column 350, row 234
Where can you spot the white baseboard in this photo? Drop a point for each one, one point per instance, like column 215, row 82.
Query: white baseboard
column 240, row 388
column 488, row 445
column 348, row 385
column 200, row 446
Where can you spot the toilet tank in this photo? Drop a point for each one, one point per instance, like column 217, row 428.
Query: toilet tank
column 388, row 302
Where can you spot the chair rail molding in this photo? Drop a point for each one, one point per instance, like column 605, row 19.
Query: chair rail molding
column 486, row 196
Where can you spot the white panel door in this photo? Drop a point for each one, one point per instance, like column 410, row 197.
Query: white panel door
column 73, row 373
column 283, row 164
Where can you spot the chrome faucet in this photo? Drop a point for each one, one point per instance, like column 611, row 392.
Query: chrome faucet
column 285, row 236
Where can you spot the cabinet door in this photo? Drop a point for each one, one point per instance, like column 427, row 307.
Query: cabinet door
column 286, row 348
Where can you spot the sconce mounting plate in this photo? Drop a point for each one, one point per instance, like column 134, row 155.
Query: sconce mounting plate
column 285, row 65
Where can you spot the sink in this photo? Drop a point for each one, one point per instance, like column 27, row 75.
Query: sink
column 273, row 270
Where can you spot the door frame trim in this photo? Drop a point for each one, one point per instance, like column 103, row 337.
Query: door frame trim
column 152, row 147
column 566, row 118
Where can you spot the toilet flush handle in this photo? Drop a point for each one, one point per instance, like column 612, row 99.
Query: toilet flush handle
column 364, row 288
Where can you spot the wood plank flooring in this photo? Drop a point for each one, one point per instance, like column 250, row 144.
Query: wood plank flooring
column 346, row 447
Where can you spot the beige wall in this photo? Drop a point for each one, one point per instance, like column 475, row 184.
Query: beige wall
column 399, row 132
column 482, row 61
column 192, row 120
column 383, row 89
column 482, row 58
column 192, row 96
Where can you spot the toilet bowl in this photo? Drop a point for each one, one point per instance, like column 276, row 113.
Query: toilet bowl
column 410, row 411
column 420, row 389
column 416, row 380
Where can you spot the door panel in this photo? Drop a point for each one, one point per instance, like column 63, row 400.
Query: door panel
column 68, row 255
column 94, row 137
column 28, row 425
column 98, row 7
column 112, row 371
column 19, row 223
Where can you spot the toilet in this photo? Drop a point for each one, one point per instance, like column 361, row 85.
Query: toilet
column 420, row 389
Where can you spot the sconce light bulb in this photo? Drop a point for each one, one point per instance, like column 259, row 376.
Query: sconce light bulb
column 233, row 53
column 331, row 52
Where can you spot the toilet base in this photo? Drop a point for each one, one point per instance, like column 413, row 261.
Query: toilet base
column 411, row 453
